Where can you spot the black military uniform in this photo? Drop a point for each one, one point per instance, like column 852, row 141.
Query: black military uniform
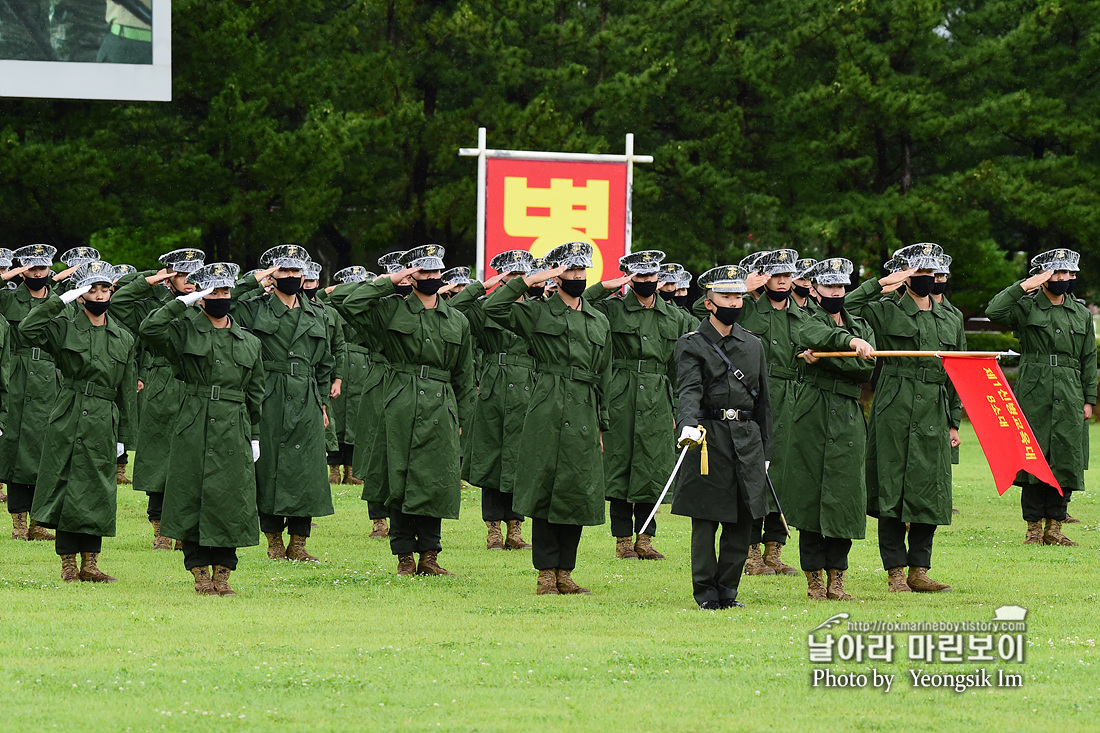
column 716, row 392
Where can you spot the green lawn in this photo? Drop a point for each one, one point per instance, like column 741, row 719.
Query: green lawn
column 347, row 645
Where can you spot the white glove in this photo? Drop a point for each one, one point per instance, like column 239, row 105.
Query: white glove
column 195, row 297
column 71, row 295
column 120, row 448
column 767, row 465
column 255, row 450
column 689, row 435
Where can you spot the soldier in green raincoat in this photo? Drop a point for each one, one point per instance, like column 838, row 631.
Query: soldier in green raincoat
column 775, row 322
column 801, row 288
column 822, row 471
column 364, row 414
column 942, row 272
column 673, row 282
column 210, row 495
column 491, row 447
column 291, row 481
column 1057, row 383
column 914, row 418
column 88, row 421
column 559, row 479
column 160, row 398
column 639, row 448
column 336, row 446
column 33, row 386
column 427, row 397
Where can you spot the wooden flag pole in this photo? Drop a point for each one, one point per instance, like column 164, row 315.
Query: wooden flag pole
column 971, row 354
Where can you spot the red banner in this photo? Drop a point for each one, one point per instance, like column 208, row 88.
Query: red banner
column 538, row 204
column 1006, row 437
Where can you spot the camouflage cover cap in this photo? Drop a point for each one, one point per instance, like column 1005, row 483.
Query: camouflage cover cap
column 215, row 275
column 646, row 262
column 725, row 279
column 183, row 260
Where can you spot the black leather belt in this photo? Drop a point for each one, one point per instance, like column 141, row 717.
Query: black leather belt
column 724, row 415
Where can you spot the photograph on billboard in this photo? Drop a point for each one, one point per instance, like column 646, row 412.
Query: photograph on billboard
column 86, row 49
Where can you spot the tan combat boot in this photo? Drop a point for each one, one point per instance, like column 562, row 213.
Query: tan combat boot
column 406, row 564
column 19, row 526
column 835, row 591
column 754, row 564
column 773, row 559
column 296, row 550
column 566, row 585
column 349, row 479
column 89, row 570
column 514, row 539
column 381, row 530
column 334, row 474
column 644, row 548
column 429, row 564
column 548, row 583
column 275, row 548
column 1067, row 520
column 1034, row 534
column 919, row 581
column 204, row 585
column 38, row 532
column 815, row 589
column 221, row 581
column 69, row 572
column 160, row 542
column 494, row 540
column 120, row 476
column 896, row 580
column 1052, row 535
column 624, row 549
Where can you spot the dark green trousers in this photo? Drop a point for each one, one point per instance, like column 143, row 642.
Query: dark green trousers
column 414, row 533
column 496, row 506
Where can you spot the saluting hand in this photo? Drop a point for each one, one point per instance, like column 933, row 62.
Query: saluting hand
column 398, row 277
column 894, row 280
column 262, row 275
column 14, row 272
column 618, row 282
column 1036, row 281
column 160, row 276
column 64, row 274
column 540, row 277
column 492, row 282
column 756, row 280
column 75, row 293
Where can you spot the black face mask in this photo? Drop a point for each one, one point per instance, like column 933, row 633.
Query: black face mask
column 668, row 295
column 644, row 290
column 574, row 288
column 288, row 285
column 536, row 291
column 778, row 295
column 311, row 293
column 429, row 285
column 802, row 291
column 36, row 283
column 939, row 288
column 1071, row 284
column 726, row 314
column 217, row 307
column 683, row 300
column 96, row 307
column 403, row 290
column 921, row 285
column 759, row 290
column 832, row 304
column 1058, row 287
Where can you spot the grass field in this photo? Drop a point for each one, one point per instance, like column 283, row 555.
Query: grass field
column 346, row 645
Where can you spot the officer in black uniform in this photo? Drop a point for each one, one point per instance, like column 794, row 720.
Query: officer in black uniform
column 722, row 380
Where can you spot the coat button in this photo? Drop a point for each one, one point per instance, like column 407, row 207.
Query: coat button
column 438, row 394
column 566, row 424
column 774, row 341
column 850, row 443
column 297, row 447
column 435, row 422
column 427, row 340
column 84, row 413
column 211, row 420
column 421, row 391
column 645, row 338
column 217, row 361
column 919, row 397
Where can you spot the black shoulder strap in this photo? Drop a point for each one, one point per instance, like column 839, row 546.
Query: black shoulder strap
column 737, row 373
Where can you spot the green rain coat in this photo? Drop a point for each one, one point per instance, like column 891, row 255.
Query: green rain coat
column 915, row 405
column 93, row 411
column 823, row 472
column 777, row 330
column 506, row 382
column 559, row 476
column 427, row 395
column 639, row 449
column 33, row 385
column 159, row 401
column 292, row 473
column 1057, row 375
column 210, row 497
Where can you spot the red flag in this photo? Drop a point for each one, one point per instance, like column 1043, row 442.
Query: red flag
column 1002, row 429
